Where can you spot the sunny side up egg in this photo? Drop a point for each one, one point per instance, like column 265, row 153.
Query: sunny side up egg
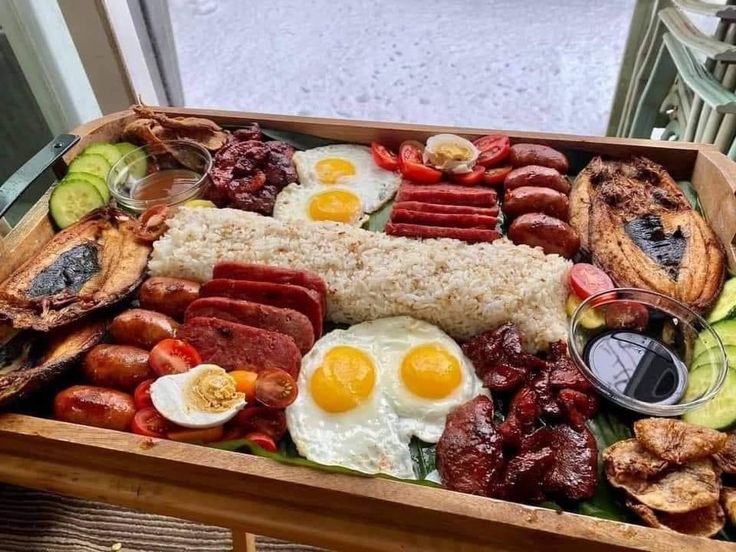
column 350, row 166
column 365, row 391
column 319, row 204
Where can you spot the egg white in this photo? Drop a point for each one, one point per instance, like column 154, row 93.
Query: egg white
column 292, row 203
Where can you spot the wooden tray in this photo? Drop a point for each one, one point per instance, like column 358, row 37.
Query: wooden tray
column 248, row 493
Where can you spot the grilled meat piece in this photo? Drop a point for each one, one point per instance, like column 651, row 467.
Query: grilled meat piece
column 577, row 407
column 574, row 474
column 523, row 480
column 676, row 441
column 92, row 264
column 564, row 374
column 521, row 418
column 703, row 522
column 639, row 227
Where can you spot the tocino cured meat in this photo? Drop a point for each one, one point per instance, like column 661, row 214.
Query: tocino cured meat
column 451, row 194
column 452, row 220
column 449, row 209
column 470, row 235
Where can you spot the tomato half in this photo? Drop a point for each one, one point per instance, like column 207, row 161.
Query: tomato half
column 275, row 388
column 245, row 382
column 413, row 168
column 173, row 356
column 262, row 440
column 384, row 158
column 150, row 423
column 493, row 148
column 627, row 315
column 262, row 419
column 472, row 178
column 207, row 435
column 142, row 395
column 152, row 223
column 496, row 175
column 587, row 280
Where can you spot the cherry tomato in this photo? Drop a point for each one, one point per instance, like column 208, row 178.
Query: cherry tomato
column 275, row 388
column 412, row 167
column 628, row 315
column 383, row 157
column 587, row 280
column 470, row 179
column 262, row 419
column 493, row 149
column 207, row 435
column 232, row 433
column 496, row 175
column 152, row 223
column 262, row 440
column 142, row 395
column 173, row 356
column 150, row 423
column 245, row 382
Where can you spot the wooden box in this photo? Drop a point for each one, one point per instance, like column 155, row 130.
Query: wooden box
column 249, row 493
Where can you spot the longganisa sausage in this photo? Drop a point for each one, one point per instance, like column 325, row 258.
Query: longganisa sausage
column 549, row 233
column 532, row 199
column 536, row 175
column 536, row 154
column 119, row 367
column 95, row 406
column 170, row 296
column 142, row 328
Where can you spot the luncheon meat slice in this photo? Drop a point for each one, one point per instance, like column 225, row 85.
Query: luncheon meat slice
column 451, row 194
column 469, row 235
column 285, row 321
column 239, row 347
column 232, row 270
column 450, row 209
column 285, row 296
column 452, row 220
column 676, row 441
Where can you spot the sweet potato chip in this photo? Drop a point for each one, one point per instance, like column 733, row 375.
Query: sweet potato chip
column 728, row 501
column 726, row 457
column 677, row 441
column 703, row 522
column 629, row 458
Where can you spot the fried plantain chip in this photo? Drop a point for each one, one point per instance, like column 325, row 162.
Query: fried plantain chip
column 728, row 501
column 629, row 458
column 677, row 441
column 726, row 457
column 703, row 522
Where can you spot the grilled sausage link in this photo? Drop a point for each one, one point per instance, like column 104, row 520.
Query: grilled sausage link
column 549, row 233
column 116, row 366
column 95, row 406
column 536, row 175
column 536, row 154
column 170, row 296
column 531, row 199
column 142, row 328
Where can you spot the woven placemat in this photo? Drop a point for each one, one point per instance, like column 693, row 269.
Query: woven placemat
column 32, row 521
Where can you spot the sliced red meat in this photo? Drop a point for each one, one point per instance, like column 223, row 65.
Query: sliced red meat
column 239, row 347
column 233, row 270
column 441, row 208
column 285, row 296
column 564, row 373
column 452, row 220
column 523, row 480
column 521, row 418
column 470, row 235
column 286, row 321
column 451, row 194
column 577, row 406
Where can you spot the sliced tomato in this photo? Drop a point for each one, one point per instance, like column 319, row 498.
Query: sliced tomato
column 207, row 435
column 496, row 175
column 173, row 356
column 142, row 395
column 262, row 419
column 262, row 440
column 150, row 423
column 384, row 158
column 627, row 315
column 587, row 280
column 493, row 148
column 245, row 382
column 472, row 178
column 152, row 223
column 410, row 152
column 413, row 168
column 275, row 388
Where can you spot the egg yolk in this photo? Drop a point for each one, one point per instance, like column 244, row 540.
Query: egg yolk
column 344, row 379
column 332, row 169
column 430, row 372
column 335, row 205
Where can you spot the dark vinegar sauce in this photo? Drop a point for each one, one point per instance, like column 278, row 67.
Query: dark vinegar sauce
column 637, row 366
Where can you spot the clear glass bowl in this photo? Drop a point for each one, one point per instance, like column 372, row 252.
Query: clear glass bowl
column 607, row 338
column 167, row 173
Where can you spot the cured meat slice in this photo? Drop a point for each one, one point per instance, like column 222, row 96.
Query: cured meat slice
column 232, row 270
column 285, row 296
column 451, row 194
column 452, row 220
column 441, row 208
column 285, row 321
column 239, row 347
column 470, row 235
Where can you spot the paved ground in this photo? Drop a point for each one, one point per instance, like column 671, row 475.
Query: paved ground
column 535, row 65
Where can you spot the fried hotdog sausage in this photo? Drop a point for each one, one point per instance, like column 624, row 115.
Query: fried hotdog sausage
column 142, row 328
column 549, row 233
column 536, row 175
column 532, row 199
column 537, row 154
column 116, row 366
column 170, row 296
column 95, row 406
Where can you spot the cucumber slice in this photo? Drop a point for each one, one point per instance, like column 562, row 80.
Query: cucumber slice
column 91, row 163
column 726, row 330
column 720, row 412
column 70, row 201
column 725, row 306
column 706, row 357
column 95, row 180
column 106, row 150
column 137, row 163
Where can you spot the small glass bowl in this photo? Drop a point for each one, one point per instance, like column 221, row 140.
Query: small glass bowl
column 168, row 173
column 607, row 340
